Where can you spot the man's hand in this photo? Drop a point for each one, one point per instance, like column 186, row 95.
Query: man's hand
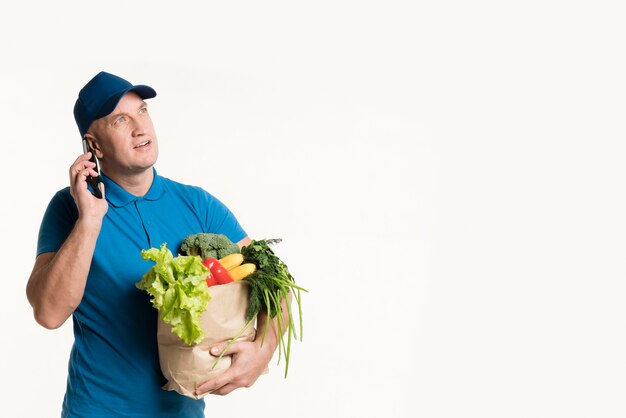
column 89, row 206
column 249, row 360
column 57, row 283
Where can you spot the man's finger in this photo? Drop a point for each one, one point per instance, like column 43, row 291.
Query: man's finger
column 101, row 186
column 224, row 390
column 80, row 180
column 211, row 386
column 216, row 383
column 81, row 157
column 217, row 349
column 77, row 168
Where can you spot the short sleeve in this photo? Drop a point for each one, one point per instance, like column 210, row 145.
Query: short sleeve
column 57, row 223
column 220, row 220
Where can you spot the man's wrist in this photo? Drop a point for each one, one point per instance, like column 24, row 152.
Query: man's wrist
column 89, row 224
column 266, row 348
column 266, row 343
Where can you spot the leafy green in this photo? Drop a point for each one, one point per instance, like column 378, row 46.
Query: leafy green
column 178, row 289
column 270, row 284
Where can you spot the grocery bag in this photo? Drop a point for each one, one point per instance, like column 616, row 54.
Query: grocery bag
column 187, row 367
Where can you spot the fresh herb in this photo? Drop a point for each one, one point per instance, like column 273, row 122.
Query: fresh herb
column 270, row 284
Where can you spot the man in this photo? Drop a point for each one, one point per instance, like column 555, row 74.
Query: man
column 88, row 261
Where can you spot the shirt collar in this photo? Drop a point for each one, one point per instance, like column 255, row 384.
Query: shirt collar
column 119, row 197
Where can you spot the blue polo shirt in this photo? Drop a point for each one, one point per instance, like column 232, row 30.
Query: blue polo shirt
column 114, row 364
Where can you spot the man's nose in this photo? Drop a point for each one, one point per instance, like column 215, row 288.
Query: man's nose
column 139, row 127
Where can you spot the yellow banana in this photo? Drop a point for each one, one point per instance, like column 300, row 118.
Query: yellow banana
column 231, row 261
column 242, row 271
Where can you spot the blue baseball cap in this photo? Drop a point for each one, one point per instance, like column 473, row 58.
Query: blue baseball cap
column 100, row 96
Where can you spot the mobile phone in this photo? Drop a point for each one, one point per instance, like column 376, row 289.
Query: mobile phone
column 93, row 181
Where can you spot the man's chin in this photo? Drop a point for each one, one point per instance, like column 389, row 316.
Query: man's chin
column 148, row 163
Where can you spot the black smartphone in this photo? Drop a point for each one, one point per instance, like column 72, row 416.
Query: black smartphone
column 93, row 181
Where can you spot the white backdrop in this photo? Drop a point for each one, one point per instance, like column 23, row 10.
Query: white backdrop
column 448, row 182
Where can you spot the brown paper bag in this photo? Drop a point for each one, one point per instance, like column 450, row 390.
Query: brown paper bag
column 187, row 367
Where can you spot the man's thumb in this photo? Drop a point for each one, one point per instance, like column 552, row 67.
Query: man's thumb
column 217, row 349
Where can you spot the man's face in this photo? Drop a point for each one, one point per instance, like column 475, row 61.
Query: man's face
column 125, row 141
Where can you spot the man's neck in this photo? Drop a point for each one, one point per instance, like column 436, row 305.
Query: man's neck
column 136, row 184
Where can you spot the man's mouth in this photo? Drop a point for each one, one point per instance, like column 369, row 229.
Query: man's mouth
column 142, row 144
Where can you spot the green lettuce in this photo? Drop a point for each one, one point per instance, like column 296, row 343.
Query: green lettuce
column 178, row 289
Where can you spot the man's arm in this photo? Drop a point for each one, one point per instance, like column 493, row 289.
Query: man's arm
column 57, row 282
column 249, row 358
column 244, row 242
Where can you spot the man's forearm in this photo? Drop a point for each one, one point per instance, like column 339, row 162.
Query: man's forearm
column 57, row 283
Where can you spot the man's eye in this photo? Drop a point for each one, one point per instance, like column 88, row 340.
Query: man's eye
column 120, row 119
column 143, row 110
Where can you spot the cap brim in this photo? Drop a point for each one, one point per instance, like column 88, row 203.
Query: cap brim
column 145, row 92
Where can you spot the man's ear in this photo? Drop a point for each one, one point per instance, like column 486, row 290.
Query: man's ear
column 93, row 143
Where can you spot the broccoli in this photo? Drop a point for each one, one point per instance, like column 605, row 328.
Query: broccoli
column 208, row 245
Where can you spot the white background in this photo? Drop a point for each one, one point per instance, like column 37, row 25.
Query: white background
column 448, row 179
